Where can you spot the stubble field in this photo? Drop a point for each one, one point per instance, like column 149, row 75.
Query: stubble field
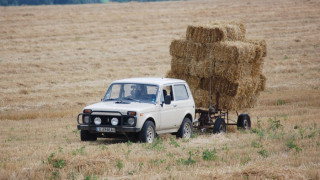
column 54, row 60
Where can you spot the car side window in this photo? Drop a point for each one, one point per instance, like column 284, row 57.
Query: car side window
column 167, row 90
column 180, row 92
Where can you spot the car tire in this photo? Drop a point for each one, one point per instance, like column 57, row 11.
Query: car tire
column 87, row 136
column 185, row 130
column 244, row 122
column 148, row 132
column 219, row 126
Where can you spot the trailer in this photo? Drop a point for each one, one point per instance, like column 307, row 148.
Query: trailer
column 218, row 119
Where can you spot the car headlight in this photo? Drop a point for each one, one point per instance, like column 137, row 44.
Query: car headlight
column 86, row 119
column 114, row 121
column 97, row 121
column 131, row 121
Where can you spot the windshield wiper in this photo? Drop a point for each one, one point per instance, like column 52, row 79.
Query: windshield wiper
column 131, row 99
column 110, row 99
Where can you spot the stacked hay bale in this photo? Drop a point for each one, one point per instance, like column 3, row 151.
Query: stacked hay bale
column 220, row 65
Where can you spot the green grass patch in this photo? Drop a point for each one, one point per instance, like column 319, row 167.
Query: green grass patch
column 209, row 155
column 119, row 165
column 187, row 161
column 280, row 102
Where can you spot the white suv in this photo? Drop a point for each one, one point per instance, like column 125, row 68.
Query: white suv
column 140, row 107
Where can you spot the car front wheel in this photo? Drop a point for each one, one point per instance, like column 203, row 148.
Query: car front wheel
column 148, row 132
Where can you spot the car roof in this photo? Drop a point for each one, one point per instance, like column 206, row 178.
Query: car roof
column 149, row 80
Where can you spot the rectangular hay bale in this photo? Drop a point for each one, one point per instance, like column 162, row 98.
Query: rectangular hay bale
column 179, row 65
column 261, row 43
column 216, row 31
column 188, row 49
column 256, row 69
column 232, row 72
column 236, row 52
column 244, row 86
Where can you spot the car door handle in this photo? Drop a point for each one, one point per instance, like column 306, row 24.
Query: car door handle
column 174, row 105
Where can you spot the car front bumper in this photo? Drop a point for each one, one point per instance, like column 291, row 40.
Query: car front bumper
column 119, row 129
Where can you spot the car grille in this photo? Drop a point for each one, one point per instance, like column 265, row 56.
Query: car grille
column 106, row 120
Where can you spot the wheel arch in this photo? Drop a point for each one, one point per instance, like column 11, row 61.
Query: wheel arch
column 189, row 116
column 152, row 120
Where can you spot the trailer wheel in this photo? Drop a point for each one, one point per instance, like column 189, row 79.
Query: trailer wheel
column 185, row 130
column 244, row 121
column 87, row 136
column 219, row 126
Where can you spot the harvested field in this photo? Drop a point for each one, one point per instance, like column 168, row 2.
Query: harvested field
column 54, row 60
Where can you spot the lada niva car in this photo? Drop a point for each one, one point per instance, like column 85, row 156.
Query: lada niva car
column 142, row 108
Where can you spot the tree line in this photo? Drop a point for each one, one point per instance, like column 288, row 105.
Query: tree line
column 52, row 2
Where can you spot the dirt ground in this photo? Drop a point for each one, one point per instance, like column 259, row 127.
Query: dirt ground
column 54, row 60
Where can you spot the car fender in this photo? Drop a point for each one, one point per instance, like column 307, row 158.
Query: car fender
column 143, row 117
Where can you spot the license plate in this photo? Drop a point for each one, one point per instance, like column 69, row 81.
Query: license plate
column 106, row 129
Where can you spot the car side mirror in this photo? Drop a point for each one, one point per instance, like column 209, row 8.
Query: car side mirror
column 167, row 99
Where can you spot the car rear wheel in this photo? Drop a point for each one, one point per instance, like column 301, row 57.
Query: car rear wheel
column 87, row 136
column 148, row 132
column 185, row 130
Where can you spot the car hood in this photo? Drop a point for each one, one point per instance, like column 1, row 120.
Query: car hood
column 121, row 107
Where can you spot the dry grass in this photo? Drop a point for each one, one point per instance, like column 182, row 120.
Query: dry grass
column 56, row 59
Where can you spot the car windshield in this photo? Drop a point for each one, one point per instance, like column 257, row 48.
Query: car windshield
column 132, row 92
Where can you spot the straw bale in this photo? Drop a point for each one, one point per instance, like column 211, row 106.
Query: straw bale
column 223, row 86
column 237, row 102
column 193, row 81
column 262, row 82
column 261, row 43
column 256, row 69
column 179, row 65
column 244, row 86
column 216, row 31
column 172, row 74
column 201, row 97
column 188, row 49
column 205, row 83
column 208, row 68
column 178, row 48
column 236, row 52
column 202, row 68
column 197, row 50
column 232, row 72
column 202, row 100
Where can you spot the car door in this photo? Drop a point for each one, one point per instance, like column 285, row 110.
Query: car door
column 168, row 111
column 182, row 103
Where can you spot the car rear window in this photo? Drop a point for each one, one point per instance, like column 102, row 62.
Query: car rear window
column 180, row 92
